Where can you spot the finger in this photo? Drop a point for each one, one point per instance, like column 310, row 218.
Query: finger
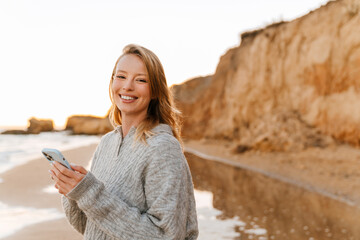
column 65, row 188
column 60, row 185
column 56, row 180
column 59, row 176
column 60, row 190
column 78, row 168
column 52, row 175
column 65, row 182
column 64, row 170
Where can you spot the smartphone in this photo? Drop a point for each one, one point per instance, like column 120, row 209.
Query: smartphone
column 52, row 154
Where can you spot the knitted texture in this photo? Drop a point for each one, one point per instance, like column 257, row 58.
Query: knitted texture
column 135, row 191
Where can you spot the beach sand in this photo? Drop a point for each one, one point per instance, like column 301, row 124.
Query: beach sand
column 332, row 170
column 23, row 186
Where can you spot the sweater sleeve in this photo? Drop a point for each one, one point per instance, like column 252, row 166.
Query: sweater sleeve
column 73, row 213
column 166, row 197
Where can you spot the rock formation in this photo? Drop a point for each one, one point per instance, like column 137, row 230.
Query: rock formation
column 90, row 125
column 15, row 132
column 40, row 125
column 35, row 126
column 307, row 69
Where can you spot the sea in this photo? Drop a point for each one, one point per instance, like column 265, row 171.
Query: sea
column 20, row 149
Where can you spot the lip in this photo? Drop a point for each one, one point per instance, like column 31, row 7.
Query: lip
column 128, row 100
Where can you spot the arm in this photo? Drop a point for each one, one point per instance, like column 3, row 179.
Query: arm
column 166, row 196
column 64, row 183
column 74, row 214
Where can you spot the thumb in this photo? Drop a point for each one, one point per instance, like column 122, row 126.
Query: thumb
column 79, row 169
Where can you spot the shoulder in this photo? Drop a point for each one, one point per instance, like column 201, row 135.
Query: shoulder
column 164, row 149
column 108, row 137
column 163, row 138
column 110, row 134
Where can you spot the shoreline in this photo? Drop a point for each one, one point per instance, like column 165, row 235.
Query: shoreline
column 20, row 149
column 23, row 187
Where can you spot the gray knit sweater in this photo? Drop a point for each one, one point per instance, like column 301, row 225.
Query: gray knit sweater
column 135, row 191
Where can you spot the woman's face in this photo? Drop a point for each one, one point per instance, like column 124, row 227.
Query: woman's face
column 131, row 87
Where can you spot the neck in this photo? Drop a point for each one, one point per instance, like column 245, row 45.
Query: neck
column 130, row 121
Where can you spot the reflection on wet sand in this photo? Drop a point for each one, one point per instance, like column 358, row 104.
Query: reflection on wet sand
column 212, row 226
column 285, row 210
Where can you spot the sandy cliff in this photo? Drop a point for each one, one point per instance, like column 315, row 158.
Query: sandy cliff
column 285, row 87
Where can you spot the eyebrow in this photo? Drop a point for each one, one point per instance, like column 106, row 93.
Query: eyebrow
column 139, row 74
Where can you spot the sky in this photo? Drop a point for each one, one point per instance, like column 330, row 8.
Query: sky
column 56, row 56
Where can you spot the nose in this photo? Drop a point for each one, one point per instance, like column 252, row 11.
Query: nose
column 128, row 85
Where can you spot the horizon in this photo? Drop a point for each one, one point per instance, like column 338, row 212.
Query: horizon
column 58, row 56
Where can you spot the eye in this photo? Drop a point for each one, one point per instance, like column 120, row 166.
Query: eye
column 120, row 76
column 141, row 80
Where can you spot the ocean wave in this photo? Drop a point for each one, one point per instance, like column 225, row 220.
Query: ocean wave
column 19, row 149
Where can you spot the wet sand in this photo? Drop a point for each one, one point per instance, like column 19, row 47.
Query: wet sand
column 332, row 171
column 311, row 194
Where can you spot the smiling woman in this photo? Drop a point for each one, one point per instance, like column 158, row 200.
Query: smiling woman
column 139, row 93
column 139, row 185
column 131, row 89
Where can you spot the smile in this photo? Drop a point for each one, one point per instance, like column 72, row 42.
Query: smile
column 127, row 97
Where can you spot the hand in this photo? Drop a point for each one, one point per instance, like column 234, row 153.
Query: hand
column 66, row 179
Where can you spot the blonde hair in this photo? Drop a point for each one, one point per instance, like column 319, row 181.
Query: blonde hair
column 161, row 107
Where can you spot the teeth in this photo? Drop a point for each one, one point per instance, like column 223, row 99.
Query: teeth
column 127, row 97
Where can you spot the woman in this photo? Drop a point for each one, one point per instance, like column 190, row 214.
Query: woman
column 139, row 185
